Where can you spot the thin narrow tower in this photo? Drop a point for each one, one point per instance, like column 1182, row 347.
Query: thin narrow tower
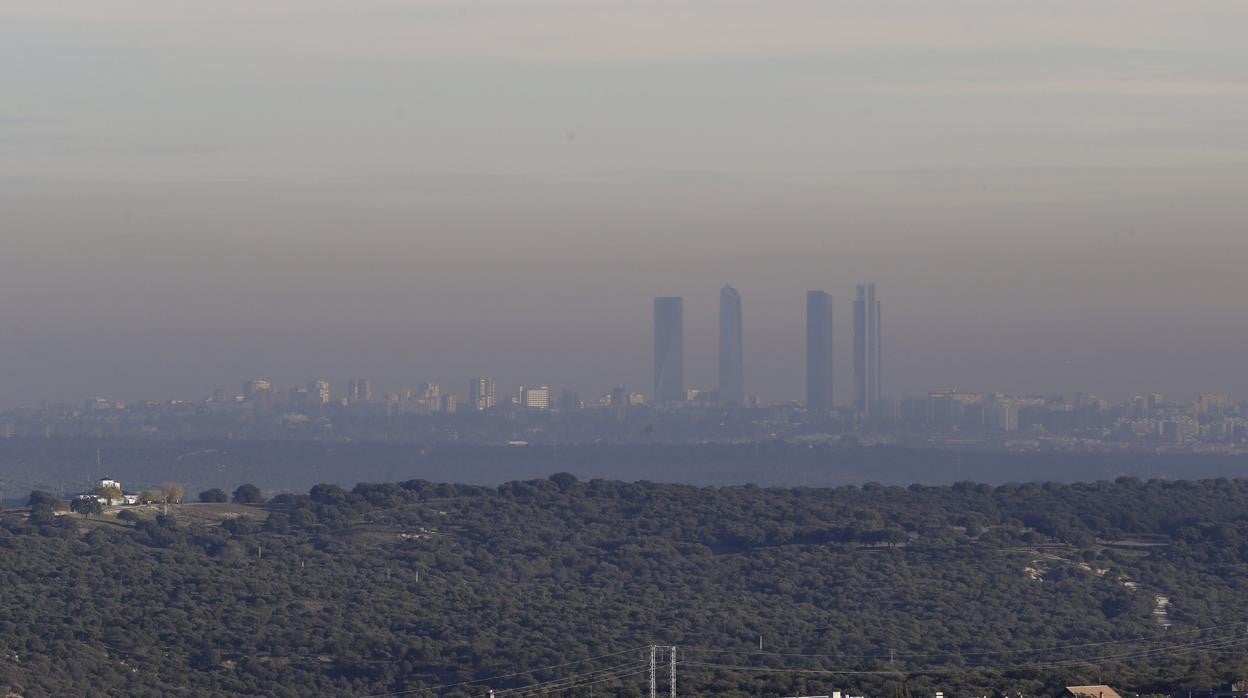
column 867, row 348
column 731, row 349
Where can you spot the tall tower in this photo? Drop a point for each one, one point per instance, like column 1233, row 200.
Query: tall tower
column 818, row 350
column 669, row 349
column 867, row 348
column 731, row 354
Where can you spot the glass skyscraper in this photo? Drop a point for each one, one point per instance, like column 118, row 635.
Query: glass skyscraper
column 731, row 349
column 481, row 393
column 867, row 348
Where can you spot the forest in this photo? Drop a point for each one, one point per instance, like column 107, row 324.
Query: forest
column 558, row 586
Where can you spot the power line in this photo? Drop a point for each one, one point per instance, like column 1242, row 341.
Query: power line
column 957, row 653
column 583, row 683
column 540, row 689
column 618, row 667
column 736, row 667
column 1222, row 643
column 1206, row 645
column 572, row 682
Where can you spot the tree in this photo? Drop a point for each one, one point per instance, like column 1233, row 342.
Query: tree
column 327, row 494
column 149, row 497
column 565, row 481
column 108, row 493
column 248, row 494
column 278, row 522
column 86, row 505
column 171, row 493
column 241, row 526
column 215, row 494
column 42, row 500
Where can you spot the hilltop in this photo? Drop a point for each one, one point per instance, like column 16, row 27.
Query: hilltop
column 384, row 588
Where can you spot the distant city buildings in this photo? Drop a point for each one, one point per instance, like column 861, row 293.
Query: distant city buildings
column 481, row 394
column 318, row 392
column 360, row 390
column 255, row 386
column 819, row 350
column 1210, row 423
column 669, row 350
column 731, row 349
column 426, row 399
column 535, row 397
column 618, row 397
column 1207, row 423
column 569, row 400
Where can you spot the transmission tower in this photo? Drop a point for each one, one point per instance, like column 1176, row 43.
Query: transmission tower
column 654, row 650
column 654, row 669
column 672, row 683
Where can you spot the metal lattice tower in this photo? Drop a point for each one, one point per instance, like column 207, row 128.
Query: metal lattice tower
column 654, row 669
column 673, row 679
column 654, row 650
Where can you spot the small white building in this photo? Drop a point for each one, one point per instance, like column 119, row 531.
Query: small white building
column 108, row 482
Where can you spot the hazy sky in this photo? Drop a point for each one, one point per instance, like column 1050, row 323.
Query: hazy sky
column 1050, row 195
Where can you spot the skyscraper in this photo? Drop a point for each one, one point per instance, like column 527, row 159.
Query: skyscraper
column 318, row 392
column 731, row 359
column 669, row 349
column 360, row 390
column 818, row 350
column 866, row 348
column 481, row 393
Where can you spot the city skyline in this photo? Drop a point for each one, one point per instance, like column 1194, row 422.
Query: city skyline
column 865, row 349
column 1148, row 423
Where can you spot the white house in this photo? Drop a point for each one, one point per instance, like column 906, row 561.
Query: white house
column 124, row 499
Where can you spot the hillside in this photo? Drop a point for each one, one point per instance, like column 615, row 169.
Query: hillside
column 391, row 588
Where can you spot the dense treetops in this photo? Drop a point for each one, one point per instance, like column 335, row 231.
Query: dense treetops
column 382, row 588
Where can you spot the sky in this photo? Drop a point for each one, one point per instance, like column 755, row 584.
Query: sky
column 1049, row 195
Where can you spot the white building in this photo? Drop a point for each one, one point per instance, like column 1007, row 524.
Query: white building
column 535, row 397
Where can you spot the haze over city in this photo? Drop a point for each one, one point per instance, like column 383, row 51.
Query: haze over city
column 1049, row 199
column 724, row 348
